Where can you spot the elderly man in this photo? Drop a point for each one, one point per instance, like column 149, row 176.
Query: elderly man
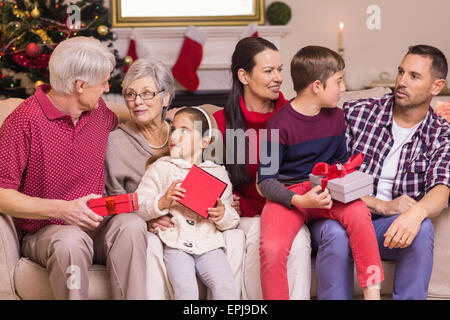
column 52, row 151
column 407, row 150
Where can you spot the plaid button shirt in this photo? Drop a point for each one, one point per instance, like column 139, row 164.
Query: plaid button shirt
column 425, row 158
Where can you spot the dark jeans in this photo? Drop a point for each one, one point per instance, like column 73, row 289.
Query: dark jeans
column 334, row 262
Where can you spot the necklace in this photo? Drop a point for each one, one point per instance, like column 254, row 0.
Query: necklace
column 165, row 142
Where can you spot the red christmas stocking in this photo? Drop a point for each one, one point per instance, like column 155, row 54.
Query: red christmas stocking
column 186, row 66
column 250, row 31
column 132, row 52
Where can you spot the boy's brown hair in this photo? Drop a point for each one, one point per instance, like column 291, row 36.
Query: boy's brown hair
column 313, row 63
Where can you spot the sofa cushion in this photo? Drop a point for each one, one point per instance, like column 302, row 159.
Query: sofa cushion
column 31, row 281
column 9, row 255
column 439, row 287
column 7, row 106
column 375, row 92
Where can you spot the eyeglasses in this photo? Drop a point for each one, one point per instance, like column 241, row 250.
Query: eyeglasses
column 146, row 95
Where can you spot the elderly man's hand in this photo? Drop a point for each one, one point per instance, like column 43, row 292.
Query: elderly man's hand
column 77, row 213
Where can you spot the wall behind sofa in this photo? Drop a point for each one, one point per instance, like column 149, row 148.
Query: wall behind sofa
column 367, row 53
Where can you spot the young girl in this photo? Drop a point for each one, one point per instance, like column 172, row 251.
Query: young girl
column 194, row 245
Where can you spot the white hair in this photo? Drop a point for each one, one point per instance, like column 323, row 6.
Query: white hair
column 154, row 69
column 79, row 58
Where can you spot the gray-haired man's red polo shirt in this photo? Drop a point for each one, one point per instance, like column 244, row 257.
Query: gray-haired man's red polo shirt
column 43, row 154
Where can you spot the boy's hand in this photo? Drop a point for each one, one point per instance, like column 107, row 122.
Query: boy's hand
column 173, row 193
column 314, row 198
column 216, row 213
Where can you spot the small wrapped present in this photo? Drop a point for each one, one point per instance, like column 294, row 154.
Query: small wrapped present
column 122, row 203
column 343, row 181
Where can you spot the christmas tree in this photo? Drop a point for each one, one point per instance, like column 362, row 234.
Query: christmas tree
column 31, row 29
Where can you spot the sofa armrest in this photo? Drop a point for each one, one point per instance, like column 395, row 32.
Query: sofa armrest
column 439, row 287
column 9, row 256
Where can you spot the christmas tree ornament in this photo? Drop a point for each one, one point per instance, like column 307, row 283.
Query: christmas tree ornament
column 33, row 50
column 128, row 60
column 102, row 30
column 44, row 36
column 38, row 83
column 19, row 14
column 35, row 13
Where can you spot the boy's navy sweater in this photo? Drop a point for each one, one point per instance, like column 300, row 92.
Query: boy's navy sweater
column 303, row 142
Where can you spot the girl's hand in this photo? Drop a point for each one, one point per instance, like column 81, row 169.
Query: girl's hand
column 216, row 213
column 314, row 198
column 236, row 204
column 173, row 193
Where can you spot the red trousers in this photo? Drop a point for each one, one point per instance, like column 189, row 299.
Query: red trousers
column 279, row 225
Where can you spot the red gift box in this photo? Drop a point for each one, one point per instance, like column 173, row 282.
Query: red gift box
column 202, row 190
column 122, row 203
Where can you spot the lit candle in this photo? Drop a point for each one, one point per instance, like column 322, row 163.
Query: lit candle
column 341, row 36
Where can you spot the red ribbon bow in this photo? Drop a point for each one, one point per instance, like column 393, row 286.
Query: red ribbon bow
column 337, row 170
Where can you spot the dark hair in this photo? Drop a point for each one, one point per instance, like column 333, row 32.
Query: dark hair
column 313, row 63
column 243, row 58
column 196, row 115
column 439, row 66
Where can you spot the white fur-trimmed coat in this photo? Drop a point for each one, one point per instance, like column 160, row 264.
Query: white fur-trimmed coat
column 191, row 232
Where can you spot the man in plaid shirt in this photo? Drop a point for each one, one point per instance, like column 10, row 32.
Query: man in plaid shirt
column 407, row 150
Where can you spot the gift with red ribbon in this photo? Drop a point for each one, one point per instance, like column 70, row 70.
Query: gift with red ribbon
column 123, row 203
column 343, row 181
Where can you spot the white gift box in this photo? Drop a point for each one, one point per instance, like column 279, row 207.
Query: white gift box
column 352, row 186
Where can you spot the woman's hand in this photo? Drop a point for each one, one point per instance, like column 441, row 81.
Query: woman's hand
column 314, row 198
column 160, row 223
column 173, row 193
column 171, row 113
column 236, row 204
column 216, row 213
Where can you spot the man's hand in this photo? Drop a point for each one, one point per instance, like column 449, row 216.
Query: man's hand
column 77, row 213
column 314, row 198
column 160, row 223
column 404, row 229
column 397, row 206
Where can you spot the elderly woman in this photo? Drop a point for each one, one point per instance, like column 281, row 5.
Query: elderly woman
column 148, row 89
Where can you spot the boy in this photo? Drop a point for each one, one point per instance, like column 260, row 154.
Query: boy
column 311, row 130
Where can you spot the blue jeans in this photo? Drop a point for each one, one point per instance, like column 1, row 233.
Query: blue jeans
column 334, row 262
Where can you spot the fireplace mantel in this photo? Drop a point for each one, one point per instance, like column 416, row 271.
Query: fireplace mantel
column 165, row 43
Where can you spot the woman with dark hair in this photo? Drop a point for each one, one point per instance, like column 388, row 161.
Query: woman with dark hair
column 254, row 98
